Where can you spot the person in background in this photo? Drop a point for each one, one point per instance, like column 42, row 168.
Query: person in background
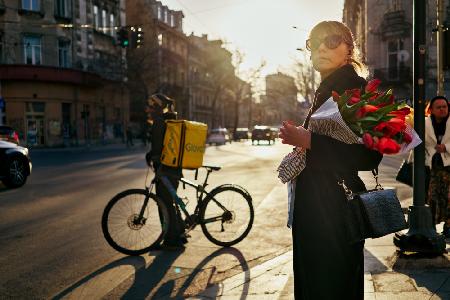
column 161, row 108
column 437, row 158
column 129, row 137
column 322, row 248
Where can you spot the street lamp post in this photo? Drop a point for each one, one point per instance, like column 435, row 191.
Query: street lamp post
column 421, row 236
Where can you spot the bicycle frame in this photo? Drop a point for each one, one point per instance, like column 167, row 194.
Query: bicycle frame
column 200, row 192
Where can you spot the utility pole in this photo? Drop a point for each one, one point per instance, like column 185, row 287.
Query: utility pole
column 440, row 46
column 421, row 236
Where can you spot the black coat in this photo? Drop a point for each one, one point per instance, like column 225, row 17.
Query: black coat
column 326, row 265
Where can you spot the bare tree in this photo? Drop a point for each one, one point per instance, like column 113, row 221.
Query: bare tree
column 305, row 78
column 220, row 73
column 244, row 87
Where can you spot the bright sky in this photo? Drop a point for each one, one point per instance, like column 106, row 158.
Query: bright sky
column 262, row 29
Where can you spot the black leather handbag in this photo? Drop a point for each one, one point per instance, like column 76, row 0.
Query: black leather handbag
column 374, row 213
column 405, row 173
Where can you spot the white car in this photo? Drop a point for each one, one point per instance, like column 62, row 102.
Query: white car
column 218, row 136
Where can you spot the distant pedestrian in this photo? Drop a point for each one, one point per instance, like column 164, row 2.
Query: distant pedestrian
column 129, row 137
column 437, row 157
column 326, row 264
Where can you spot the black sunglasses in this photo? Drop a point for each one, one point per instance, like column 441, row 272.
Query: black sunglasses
column 330, row 41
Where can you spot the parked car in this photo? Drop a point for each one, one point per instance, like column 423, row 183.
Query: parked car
column 15, row 164
column 218, row 136
column 8, row 134
column 241, row 134
column 262, row 133
column 274, row 131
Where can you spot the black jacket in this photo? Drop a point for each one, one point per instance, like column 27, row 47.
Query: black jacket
column 327, row 153
column 322, row 249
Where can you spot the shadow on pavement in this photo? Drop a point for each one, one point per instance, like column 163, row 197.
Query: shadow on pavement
column 135, row 261
column 428, row 271
column 202, row 278
column 372, row 264
column 160, row 279
column 147, row 279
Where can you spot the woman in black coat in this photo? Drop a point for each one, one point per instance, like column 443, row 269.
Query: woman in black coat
column 326, row 264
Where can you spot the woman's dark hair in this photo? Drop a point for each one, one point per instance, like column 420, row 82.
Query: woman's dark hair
column 437, row 98
column 428, row 107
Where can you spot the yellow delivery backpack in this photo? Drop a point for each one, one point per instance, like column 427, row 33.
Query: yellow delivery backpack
column 184, row 144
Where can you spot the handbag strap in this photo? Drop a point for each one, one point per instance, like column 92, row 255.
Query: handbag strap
column 348, row 191
column 375, row 175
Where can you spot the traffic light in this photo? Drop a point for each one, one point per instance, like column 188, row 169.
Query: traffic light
column 123, row 37
column 446, row 47
column 136, row 37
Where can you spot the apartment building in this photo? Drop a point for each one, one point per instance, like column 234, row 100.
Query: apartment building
column 161, row 64
column 61, row 74
column 385, row 36
column 280, row 100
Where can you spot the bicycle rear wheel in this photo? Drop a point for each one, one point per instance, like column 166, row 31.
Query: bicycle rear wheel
column 226, row 216
column 125, row 230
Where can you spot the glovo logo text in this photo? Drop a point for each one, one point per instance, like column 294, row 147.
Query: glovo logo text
column 194, row 148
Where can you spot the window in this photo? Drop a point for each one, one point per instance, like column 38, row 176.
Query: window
column 104, row 22
column 160, row 39
column 32, row 50
column 1, row 49
column 64, row 53
column 394, row 46
column 396, row 5
column 112, row 24
column 159, row 13
column 172, row 20
column 166, row 16
column 96, row 17
column 63, row 8
column 33, row 5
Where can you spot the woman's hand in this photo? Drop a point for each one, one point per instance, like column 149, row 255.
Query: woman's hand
column 295, row 136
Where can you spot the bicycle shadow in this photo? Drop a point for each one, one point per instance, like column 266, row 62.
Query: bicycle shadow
column 154, row 280
column 178, row 285
column 84, row 285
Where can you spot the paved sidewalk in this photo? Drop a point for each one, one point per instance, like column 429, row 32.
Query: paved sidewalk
column 387, row 276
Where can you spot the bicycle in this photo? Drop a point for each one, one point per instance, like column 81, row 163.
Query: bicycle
column 143, row 218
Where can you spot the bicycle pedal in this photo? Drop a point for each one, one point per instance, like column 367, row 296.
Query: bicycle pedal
column 186, row 235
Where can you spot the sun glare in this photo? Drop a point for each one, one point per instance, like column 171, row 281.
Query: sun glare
column 262, row 29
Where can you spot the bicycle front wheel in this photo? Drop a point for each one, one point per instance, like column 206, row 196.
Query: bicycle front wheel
column 226, row 216
column 131, row 228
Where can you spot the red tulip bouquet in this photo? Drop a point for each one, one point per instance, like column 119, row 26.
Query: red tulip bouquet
column 369, row 117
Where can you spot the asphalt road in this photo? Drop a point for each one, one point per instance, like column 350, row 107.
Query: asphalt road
column 51, row 242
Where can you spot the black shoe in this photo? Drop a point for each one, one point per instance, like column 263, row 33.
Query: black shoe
column 446, row 231
column 184, row 238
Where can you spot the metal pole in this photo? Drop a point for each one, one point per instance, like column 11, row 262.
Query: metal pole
column 421, row 236
column 440, row 47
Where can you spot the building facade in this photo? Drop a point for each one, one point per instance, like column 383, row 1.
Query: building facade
column 161, row 64
column 280, row 100
column 385, row 36
column 60, row 76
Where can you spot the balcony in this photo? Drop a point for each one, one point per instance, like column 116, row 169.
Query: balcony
column 395, row 24
column 394, row 76
column 48, row 74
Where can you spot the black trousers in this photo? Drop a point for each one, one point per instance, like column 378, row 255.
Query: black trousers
column 176, row 223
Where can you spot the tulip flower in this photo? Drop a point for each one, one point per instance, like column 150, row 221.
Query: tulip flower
column 373, row 85
column 368, row 140
column 388, row 146
column 360, row 113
